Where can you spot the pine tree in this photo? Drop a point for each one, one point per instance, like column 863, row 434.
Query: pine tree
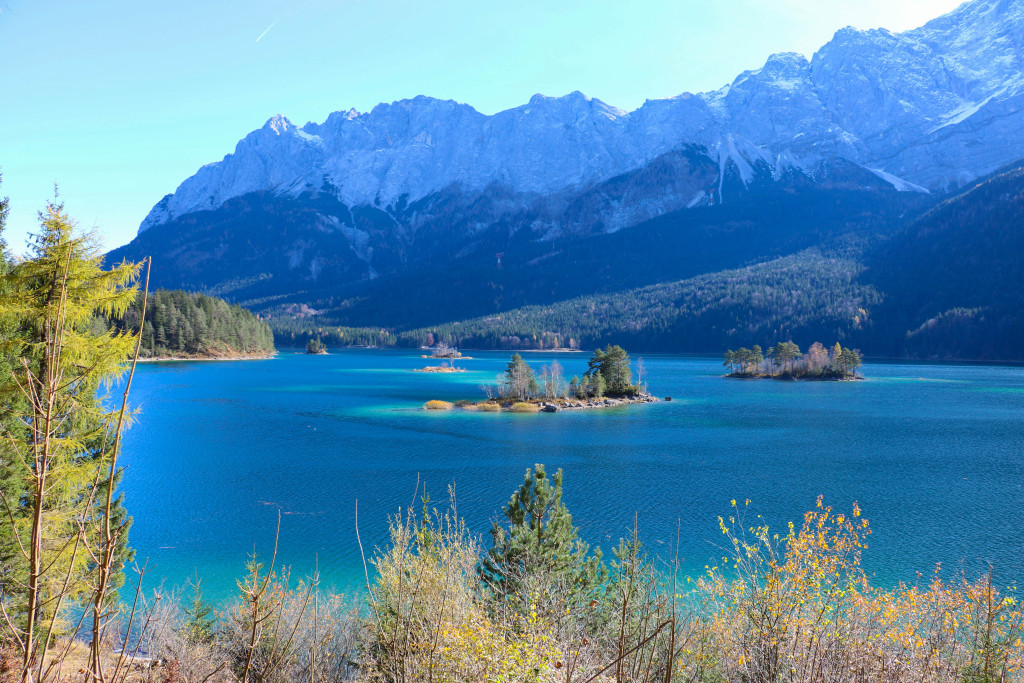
column 635, row 606
column 743, row 359
column 64, row 439
column 5, row 208
column 729, row 361
column 612, row 363
column 756, row 358
column 199, row 619
column 539, row 557
column 13, row 474
column 520, row 380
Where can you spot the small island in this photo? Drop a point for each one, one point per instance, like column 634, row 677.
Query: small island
column 443, row 367
column 786, row 361
column 608, row 382
column 445, row 352
column 316, row 347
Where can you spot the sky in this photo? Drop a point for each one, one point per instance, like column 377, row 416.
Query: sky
column 119, row 101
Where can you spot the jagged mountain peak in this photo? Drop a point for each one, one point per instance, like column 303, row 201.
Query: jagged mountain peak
column 932, row 107
column 278, row 124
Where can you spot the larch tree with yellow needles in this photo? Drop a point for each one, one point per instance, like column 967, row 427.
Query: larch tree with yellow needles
column 69, row 530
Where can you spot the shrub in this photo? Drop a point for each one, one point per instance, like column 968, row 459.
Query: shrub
column 437, row 405
column 430, row 621
column 520, row 407
column 801, row 609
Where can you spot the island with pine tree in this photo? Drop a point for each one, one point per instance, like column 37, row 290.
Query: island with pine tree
column 315, row 347
column 607, row 382
column 786, row 361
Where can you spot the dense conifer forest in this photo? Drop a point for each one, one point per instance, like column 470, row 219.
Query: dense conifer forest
column 185, row 324
column 807, row 294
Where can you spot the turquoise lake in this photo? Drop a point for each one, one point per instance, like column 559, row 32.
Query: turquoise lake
column 934, row 455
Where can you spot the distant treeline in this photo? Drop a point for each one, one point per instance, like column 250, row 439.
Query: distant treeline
column 807, row 294
column 298, row 332
column 182, row 323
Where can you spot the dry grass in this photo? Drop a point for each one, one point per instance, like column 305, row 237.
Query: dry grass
column 522, row 407
column 438, row 405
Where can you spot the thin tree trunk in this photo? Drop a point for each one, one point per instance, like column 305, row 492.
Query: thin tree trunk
column 111, row 536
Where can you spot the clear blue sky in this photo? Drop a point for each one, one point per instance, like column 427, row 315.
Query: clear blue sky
column 119, row 101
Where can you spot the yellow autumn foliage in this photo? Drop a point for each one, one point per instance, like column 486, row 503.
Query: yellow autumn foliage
column 430, row 621
column 801, row 609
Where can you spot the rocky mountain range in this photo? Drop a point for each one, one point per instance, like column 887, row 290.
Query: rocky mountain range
column 930, row 108
column 341, row 213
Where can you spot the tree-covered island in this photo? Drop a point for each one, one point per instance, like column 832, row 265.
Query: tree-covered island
column 315, row 347
column 608, row 381
column 786, row 361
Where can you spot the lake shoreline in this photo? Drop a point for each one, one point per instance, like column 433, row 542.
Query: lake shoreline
column 184, row 359
column 555, row 405
column 790, row 378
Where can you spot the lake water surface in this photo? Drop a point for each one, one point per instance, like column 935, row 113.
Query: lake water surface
column 934, row 454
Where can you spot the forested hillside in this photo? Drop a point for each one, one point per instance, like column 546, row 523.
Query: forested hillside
column 758, row 225
column 954, row 279
column 894, row 274
column 886, row 278
column 186, row 324
column 806, row 294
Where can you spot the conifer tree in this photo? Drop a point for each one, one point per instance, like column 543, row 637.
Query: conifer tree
column 520, row 380
column 743, row 358
column 729, row 361
column 62, row 438
column 612, row 363
column 756, row 357
column 539, row 556
column 5, row 207
column 199, row 618
column 13, row 476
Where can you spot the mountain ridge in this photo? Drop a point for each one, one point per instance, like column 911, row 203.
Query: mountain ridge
column 897, row 103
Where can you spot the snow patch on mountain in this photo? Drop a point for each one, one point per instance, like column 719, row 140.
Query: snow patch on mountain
column 900, row 184
column 934, row 107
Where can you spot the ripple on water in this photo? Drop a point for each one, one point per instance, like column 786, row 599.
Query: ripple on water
column 220, row 447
